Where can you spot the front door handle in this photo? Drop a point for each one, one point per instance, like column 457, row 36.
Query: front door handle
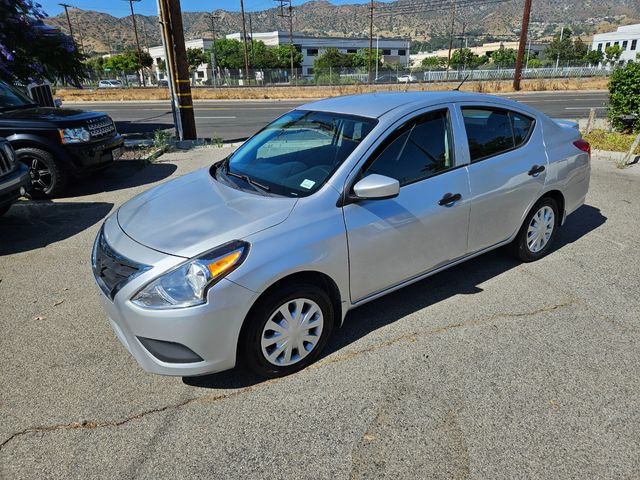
column 536, row 170
column 449, row 199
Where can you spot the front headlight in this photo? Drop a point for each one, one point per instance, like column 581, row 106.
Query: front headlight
column 74, row 135
column 188, row 283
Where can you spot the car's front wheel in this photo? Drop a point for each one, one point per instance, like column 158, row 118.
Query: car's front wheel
column 538, row 231
column 48, row 177
column 287, row 330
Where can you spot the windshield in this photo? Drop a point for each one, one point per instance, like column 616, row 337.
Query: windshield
column 12, row 98
column 298, row 153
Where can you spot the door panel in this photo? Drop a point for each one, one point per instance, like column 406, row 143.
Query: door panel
column 393, row 240
column 502, row 190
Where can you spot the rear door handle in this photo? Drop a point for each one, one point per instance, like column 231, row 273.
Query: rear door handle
column 536, row 170
column 449, row 199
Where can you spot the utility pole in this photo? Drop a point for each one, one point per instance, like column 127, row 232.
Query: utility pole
column 559, row 46
column 212, row 18
column 108, row 41
column 135, row 31
column 453, row 19
column 79, row 31
column 522, row 46
column 173, row 38
column 371, row 40
column 66, row 11
column 253, row 58
column 244, row 38
column 289, row 15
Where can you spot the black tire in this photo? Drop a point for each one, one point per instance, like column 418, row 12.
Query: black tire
column 250, row 352
column 4, row 209
column 48, row 177
column 520, row 246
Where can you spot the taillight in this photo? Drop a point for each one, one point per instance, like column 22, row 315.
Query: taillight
column 583, row 145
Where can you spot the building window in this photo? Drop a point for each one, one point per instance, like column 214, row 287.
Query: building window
column 624, row 45
column 402, row 52
column 616, row 43
column 158, row 60
column 310, row 71
column 200, row 74
column 352, row 50
column 634, row 44
column 607, row 45
column 386, row 51
column 599, row 47
column 312, row 52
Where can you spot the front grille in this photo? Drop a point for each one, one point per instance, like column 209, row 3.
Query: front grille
column 112, row 270
column 7, row 158
column 101, row 127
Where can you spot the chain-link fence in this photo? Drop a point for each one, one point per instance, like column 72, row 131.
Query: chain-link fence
column 395, row 74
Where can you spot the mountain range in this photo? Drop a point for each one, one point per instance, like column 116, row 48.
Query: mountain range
column 415, row 19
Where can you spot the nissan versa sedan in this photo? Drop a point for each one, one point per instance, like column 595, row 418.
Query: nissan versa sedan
column 257, row 259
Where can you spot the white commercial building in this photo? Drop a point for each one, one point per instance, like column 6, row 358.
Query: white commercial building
column 391, row 50
column 627, row 37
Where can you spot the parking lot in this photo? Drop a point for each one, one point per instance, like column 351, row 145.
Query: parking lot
column 492, row 369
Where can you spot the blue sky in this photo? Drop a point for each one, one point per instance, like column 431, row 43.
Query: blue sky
column 120, row 8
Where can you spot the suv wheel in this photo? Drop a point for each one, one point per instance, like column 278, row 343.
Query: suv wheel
column 48, row 178
column 537, row 232
column 287, row 331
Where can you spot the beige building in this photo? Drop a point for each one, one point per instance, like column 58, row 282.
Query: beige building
column 484, row 49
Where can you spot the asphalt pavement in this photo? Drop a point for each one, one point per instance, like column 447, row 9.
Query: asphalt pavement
column 493, row 369
column 236, row 119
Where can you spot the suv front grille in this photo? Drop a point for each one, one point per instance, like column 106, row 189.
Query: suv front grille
column 112, row 270
column 101, row 127
column 7, row 158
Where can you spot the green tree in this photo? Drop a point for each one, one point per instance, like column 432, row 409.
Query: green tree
column 283, row 53
column 229, row 54
column 361, row 58
column 504, row 57
column 465, row 58
column 128, row 61
column 594, row 57
column 535, row 62
column 195, row 58
column 624, row 95
column 333, row 58
column 30, row 50
column 613, row 53
column 561, row 49
column 580, row 50
column 162, row 66
column 95, row 66
column 433, row 63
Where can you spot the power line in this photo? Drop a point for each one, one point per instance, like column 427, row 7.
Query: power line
column 213, row 18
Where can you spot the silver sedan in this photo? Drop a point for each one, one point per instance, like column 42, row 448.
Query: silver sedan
column 257, row 259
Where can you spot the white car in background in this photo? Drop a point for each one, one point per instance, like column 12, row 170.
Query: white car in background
column 110, row 84
column 407, row 78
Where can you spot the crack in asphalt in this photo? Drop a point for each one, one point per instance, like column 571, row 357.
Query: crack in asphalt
column 409, row 337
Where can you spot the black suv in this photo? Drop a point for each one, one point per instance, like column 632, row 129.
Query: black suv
column 14, row 177
column 56, row 144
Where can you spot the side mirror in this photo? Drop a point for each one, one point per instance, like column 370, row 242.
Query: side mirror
column 376, row 187
column 57, row 102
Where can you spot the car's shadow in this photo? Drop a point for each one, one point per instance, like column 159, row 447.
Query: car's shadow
column 120, row 175
column 459, row 280
column 143, row 129
column 35, row 224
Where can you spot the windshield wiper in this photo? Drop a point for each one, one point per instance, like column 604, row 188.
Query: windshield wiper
column 247, row 179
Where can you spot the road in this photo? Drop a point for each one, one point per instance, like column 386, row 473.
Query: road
column 493, row 369
column 231, row 119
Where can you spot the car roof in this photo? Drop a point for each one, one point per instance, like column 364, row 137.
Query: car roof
column 376, row 104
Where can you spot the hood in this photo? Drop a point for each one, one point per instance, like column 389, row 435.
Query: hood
column 60, row 117
column 195, row 213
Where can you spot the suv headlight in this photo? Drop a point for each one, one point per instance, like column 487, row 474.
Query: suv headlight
column 187, row 284
column 74, row 135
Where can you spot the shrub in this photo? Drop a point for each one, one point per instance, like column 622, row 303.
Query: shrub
column 624, row 97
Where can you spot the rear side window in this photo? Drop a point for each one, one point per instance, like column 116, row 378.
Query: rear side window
column 493, row 131
column 417, row 150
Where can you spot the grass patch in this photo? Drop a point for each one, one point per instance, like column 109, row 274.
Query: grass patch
column 612, row 141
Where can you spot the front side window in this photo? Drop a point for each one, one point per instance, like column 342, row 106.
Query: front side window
column 417, row 150
column 296, row 154
column 494, row 131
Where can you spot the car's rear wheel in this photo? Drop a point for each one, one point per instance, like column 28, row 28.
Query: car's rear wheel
column 48, row 177
column 538, row 231
column 287, row 330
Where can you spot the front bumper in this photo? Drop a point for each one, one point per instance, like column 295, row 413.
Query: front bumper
column 94, row 155
column 14, row 184
column 211, row 331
